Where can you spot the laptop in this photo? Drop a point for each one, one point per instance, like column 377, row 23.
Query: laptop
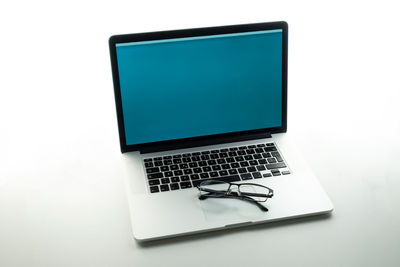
column 198, row 107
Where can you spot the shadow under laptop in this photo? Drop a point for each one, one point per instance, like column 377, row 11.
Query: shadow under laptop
column 230, row 231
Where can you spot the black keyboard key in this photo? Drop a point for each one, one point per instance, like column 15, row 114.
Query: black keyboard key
column 240, row 158
column 202, row 163
column 193, row 164
column 168, row 162
column 183, row 166
column 176, row 156
column 276, row 173
column 194, row 177
column 267, row 175
column 224, row 150
column 242, row 147
column 158, row 163
column 223, row 155
column 262, row 161
column 212, row 162
column 204, row 175
column 196, row 154
column 269, row 149
column 250, row 151
column 223, row 173
column 256, row 175
column 229, row 178
column 154, row 189
column 248, row 157
column 275, row 165
column 155, row 175
column 178, row 172
column 241, row 152
column 270, row 144
column 148, row 160
column 271, row 160
column 259, row 150
column 195, row 158
column 261, row 145
column 174, row 167
column 257, row 156
column 167, row 157
column 153, row 170
column 187, row 171
column 205, row 157
column 177, row 161
column 214, row 151
column 253, row 162
column 174, row 186
column 214, row 156
column 216, row 168
column 205, row 152
column 232, row 154
column 185, row 185
column 277, row 156
column 213, row 174
column 207, row 169
column 233, row 149
column 164, row 168
column 225, row 166
column 233, row 171
column 246, row 176
column 174, row 179
column 221, row 161
column 197, row 170
column 165, row 180
column 186, row 160
column 148, row 164
column 251, row 169
column 186, row 155
column 251, row 146
column 196, row 183
column 230, row 160
column 235, row 165
column 266, row 155
column 184, row 178
column 154, row 182
column 242, row 170
column 285, row 172
column 168, row 174
column 260, row 168
column 244, row 164
column 158, row 159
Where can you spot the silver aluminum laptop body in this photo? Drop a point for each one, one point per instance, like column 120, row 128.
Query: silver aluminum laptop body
column 180, row 212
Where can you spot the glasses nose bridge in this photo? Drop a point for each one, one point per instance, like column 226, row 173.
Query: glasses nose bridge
column 233, row 187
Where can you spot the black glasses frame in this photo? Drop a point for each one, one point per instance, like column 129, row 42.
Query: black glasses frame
column 228, row 193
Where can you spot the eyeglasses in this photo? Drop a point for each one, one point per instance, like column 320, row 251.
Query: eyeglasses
column 254, row 193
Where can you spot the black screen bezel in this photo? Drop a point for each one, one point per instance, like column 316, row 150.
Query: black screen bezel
column 208, row 139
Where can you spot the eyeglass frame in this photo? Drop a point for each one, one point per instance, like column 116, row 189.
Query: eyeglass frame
column 247, row 196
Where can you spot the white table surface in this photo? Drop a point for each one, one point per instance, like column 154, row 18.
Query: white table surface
column 62, row 193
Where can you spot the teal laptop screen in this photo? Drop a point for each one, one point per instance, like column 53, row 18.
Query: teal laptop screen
column 198, row 86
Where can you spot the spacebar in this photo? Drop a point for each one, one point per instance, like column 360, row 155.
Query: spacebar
column 230, row 178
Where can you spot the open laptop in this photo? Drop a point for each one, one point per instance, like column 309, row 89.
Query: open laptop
column 205, row 104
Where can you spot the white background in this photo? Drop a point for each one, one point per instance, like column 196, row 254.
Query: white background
column 62, row 195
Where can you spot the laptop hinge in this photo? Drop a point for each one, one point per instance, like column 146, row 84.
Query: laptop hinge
column 205, row 142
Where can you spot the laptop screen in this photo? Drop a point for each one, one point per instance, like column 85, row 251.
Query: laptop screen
column 198, row 86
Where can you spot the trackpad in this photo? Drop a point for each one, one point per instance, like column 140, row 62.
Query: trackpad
column 228, row 209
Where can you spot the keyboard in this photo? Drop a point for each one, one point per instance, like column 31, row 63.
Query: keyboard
column 234, row 164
